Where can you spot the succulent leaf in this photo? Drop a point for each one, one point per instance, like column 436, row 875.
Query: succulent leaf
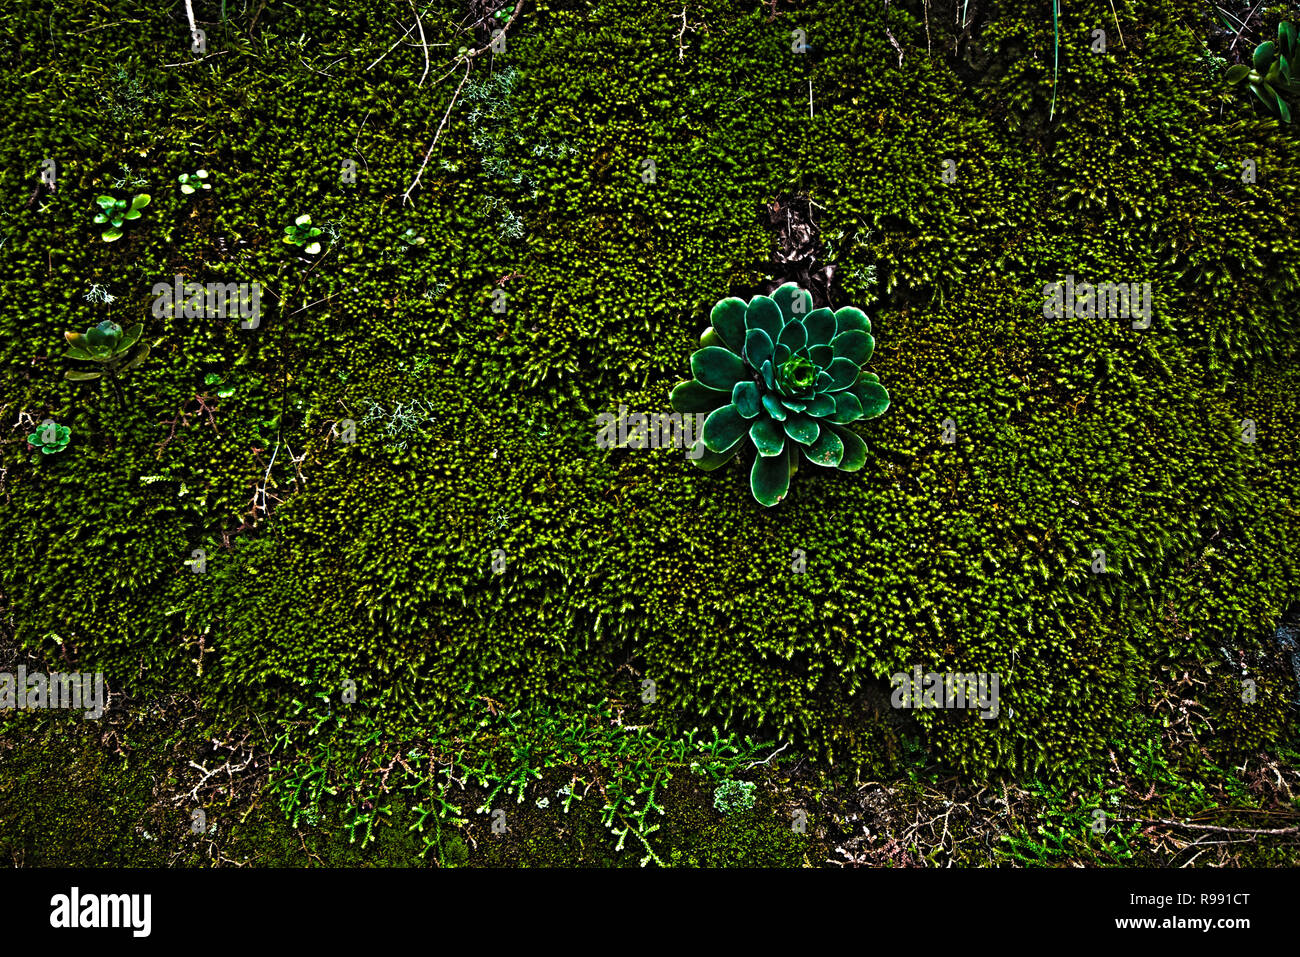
column 820, row 324
column 130, row 336
column 728, row 318
column 710, row 337
column 774, row 407
column 794, row 336
column 843, row 373
column 768, row 437
column 709, row 460
column 851, row 317
column 873, row 396
column 1263, row 55
column 801, row 428
column 745, row 397
column 691, row 396
column 758, row 347
column 724, row 428
column 827, row 451
column 848, row 407
column 854, row 345
column 769, row 479
column 821, row 405
column 140, row 356
column 763, row 313
column 855, row 450
column 794, row 303
column 717, row 368
column 105, row 335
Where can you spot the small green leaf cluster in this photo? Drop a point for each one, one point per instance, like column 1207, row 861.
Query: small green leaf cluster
column 1268, row 75
column 302, row 233
column 114, row 212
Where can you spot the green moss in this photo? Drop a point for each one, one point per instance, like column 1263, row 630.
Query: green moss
column 376, row 567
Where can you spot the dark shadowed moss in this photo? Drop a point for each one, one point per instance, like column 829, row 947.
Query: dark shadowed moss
column 374, row 563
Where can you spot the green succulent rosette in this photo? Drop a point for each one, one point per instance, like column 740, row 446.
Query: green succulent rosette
column 788, row 377
column 50, row 438
column 107, row 344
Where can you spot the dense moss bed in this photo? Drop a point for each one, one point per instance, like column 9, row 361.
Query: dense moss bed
column 498, row 268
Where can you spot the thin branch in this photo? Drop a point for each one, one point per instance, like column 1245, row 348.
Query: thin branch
column 420, row 23
column 681, row 47
column 1243, row 27
column 105, row 26
column 314, row 70
column 1117, row 26
column 1210, row 827
column 504, row 30
column 310, row 304
column 429, row 152
column 358, row 139
column 390, row 49
column 199, row 60
column 891, row 36
column 769, row 757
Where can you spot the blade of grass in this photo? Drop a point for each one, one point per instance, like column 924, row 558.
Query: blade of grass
column 1056, row 53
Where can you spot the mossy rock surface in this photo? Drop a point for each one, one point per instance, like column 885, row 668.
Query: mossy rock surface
column 375, row 562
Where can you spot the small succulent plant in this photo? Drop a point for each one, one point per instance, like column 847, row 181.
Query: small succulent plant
column 302, row 233
column 107, row 345
column 790, row 378
column 1269, row 74
column 193, row 182
column 50, row 437
column 114, row 212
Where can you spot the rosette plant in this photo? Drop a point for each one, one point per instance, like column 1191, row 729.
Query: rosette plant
column 107, row 345
column 192, row 182
column 302, row 233
column 114, row 212
column 787, row 377
column 1269, row 73
column 50, row 437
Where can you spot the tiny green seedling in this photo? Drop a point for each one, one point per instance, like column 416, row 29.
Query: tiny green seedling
column 193, row 182
column 224, row 391
column 303, row 233
column 114, row 212
column 504, row 12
